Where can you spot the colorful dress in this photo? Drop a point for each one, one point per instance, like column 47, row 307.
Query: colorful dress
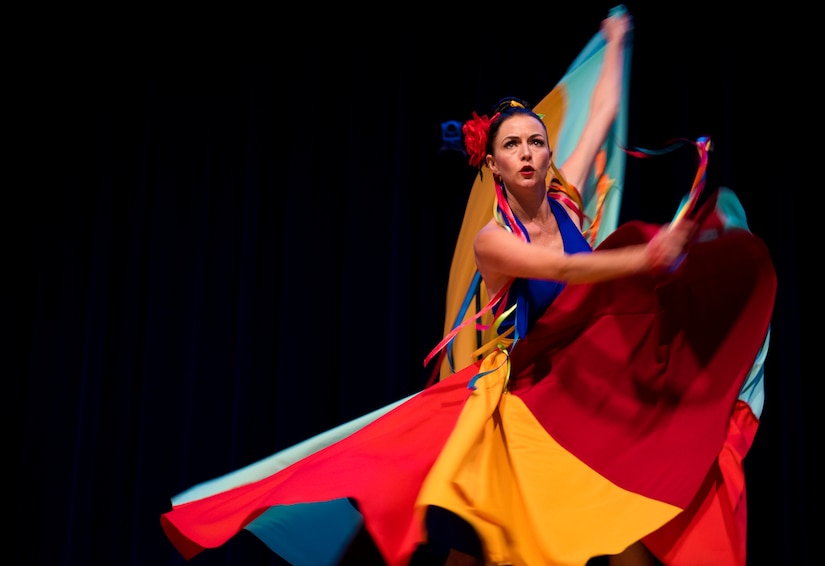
column 622, row 414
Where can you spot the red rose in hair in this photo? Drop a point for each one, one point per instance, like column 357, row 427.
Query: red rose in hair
column 475, row 137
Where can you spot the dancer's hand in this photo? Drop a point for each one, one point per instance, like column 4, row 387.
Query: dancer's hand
column 616, row 27
column 668, row 245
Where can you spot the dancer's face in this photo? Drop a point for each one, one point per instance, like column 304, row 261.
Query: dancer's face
column 521, row 153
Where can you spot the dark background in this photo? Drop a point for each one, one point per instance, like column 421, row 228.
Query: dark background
column 233, row 231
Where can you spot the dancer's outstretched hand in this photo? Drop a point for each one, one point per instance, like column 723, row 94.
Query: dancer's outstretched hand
column 668, row 245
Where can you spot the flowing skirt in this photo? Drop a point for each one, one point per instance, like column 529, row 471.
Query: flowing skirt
column 623, row 415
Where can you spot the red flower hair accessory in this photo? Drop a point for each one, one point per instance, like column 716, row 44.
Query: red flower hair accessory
column 476, row 132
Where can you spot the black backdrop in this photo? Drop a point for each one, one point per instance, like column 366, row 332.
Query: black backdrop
column 235, row 232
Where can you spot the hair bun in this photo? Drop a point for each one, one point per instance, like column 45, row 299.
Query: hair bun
column 510, row 102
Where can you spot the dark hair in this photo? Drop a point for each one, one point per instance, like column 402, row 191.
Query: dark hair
column 506, row 107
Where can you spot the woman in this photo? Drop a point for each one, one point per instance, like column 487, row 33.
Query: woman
column 518, row 153
column 534, row 250
column 570, row 439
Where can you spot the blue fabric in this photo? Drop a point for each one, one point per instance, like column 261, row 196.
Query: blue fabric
column 534, row 296
column 309, row 534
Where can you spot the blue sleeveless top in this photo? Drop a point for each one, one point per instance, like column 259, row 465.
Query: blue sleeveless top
column 534, row 296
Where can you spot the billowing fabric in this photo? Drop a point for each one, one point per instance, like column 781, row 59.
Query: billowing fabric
column 621, row 420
